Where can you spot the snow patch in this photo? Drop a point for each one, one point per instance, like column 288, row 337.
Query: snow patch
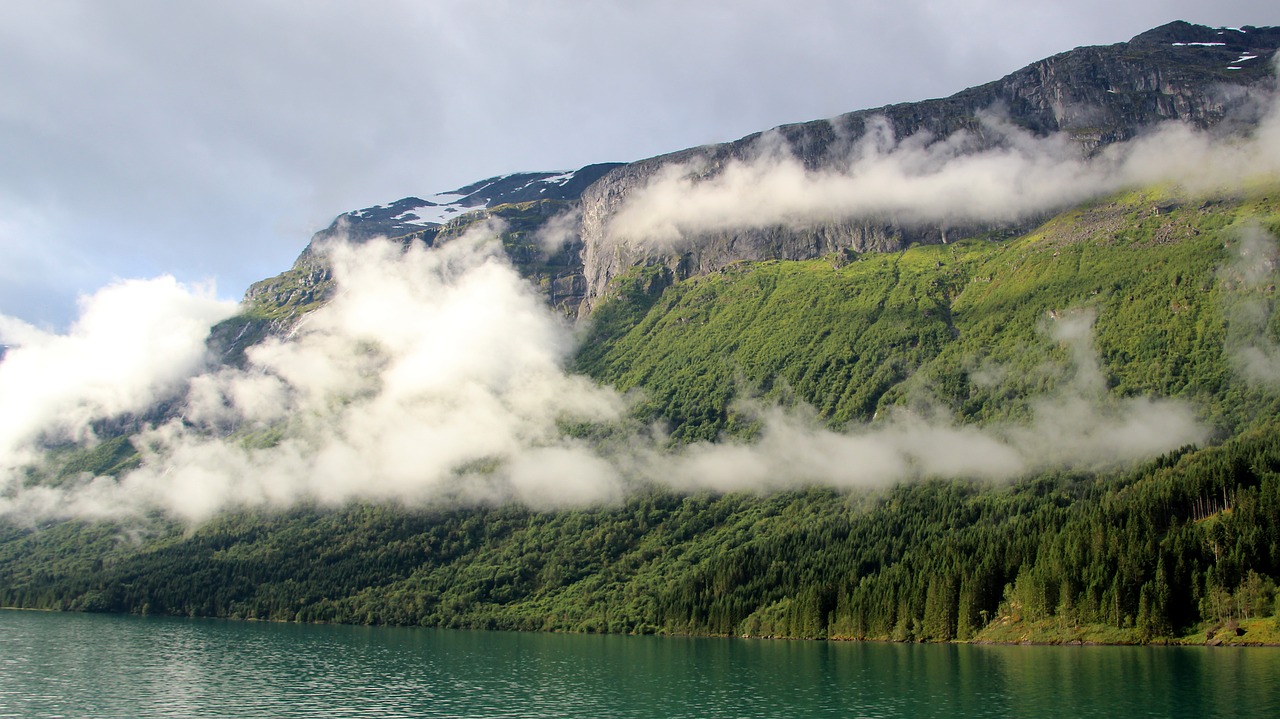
column 559, row 180
column 1199, row 44
column 554, row 180
column 434, row 213
column 445, row 206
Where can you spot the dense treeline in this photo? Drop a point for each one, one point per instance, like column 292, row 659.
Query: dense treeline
column 1152, row 553
column 1189, row 542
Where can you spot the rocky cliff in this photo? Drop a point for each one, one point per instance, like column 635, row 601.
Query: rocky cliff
column 1210, row 78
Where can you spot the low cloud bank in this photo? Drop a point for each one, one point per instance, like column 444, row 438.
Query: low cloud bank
column 1000, row 174
column 1077, row 427
column 433, row 374
column 1250, row 283
column 438, row 376
column 135, row 344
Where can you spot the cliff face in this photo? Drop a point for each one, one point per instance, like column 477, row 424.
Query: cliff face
column 529, row 205
column 1215, row 79
column 1209, row 78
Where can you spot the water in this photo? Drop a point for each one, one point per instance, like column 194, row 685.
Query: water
column 74, row 665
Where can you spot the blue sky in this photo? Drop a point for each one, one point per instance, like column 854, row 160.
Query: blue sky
column 208, row 140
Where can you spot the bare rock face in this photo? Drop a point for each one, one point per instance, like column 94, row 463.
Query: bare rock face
column 1209, row 78
column 1214, row 79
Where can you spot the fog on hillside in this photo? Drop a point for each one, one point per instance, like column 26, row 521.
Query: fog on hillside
column 1001, row 174
column 440, row 376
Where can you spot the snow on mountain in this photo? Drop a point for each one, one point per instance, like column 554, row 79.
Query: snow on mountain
column 412, row 214
column 504, row 189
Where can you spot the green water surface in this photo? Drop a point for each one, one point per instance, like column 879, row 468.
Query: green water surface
column 76, row 665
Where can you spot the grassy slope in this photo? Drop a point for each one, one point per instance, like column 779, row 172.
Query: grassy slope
column 966, row 324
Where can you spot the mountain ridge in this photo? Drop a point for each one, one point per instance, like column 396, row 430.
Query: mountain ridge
column 1098, row 95
column 1061, row 93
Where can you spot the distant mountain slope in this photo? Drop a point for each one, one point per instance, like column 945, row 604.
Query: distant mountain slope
column 1096, row 95
column 415, row 217
column 855, row 335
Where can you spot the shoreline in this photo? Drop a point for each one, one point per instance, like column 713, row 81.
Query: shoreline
column 1074, row 641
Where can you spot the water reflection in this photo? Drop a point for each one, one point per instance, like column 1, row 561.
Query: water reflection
column 103, row 666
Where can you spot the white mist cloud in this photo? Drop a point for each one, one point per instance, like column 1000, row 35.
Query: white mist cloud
column 921, row 179
column 1077, row 427
column 1250, row 280
column 135, row 343
column 559, row 231
column 434, row 374
column 439, row 375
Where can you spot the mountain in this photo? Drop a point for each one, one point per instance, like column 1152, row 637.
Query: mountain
column 1055, row 424
column 523, row 201
column 1214, row 79
column 418, row 218
column 1096, row 95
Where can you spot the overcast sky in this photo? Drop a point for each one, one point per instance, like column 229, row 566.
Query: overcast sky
column 208, row 140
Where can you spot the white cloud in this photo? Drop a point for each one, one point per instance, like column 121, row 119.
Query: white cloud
column 134, row 345
column 1250, row 283
column 438, row 375
column 920, row 179
column 433, row 374
column 1077, row 427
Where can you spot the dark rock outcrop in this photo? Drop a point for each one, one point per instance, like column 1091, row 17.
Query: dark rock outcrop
column 1215, row 79
column 1097, row 95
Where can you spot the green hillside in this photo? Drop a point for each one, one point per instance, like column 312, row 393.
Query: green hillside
column 851, row 335
column 1179, row 292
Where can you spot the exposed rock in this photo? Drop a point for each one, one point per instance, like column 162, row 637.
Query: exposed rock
column 1098, row 95
column 1210, row 78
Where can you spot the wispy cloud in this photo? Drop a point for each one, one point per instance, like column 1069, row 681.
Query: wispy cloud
column 1077, row 427
column 135, row 344
column 1249, row 280
column 438, row 376
column 998, row 174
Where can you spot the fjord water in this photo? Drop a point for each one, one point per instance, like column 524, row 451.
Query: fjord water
column 75, row 665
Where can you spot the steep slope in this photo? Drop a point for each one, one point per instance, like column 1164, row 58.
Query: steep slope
column 853, row 335
column 1097, row 96
column 521, row 206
